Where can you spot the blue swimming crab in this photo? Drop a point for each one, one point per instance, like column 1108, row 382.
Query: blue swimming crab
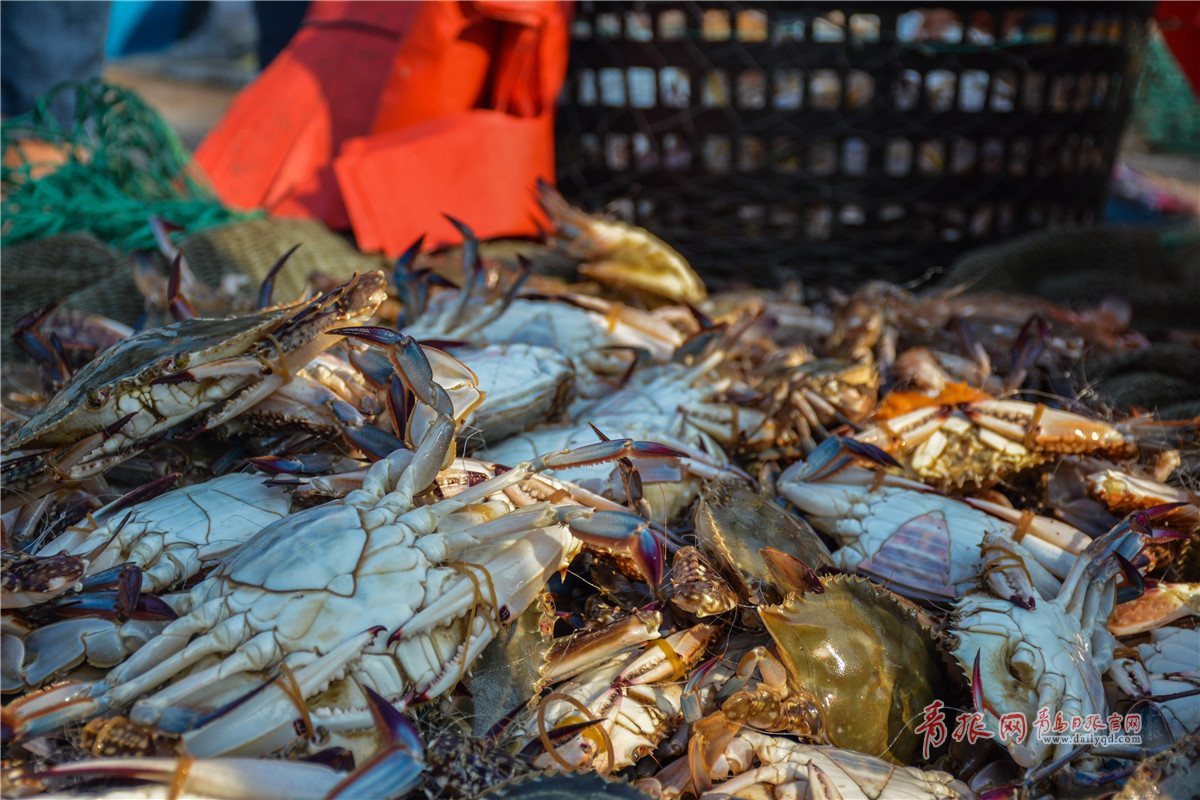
column 378, row 585
column 134, row 393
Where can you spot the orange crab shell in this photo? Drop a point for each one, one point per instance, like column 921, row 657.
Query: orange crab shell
column 902, row 402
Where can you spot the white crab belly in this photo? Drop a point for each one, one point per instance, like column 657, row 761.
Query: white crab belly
column 1029, row 660
column 170, row 536
column 920, row 544
column 666, row 487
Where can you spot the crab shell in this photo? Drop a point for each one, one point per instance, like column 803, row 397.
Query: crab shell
column 167, row 375
column 923, row 545
column 525, row 384
column 170, row 536
column 1047, row 657
column 791, row 769
column 865, row 657
column 26, row 580
column 619, row 254
column 976, row 443
column 733, row 524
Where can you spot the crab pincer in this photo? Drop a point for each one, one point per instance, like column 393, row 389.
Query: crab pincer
column 447, row 391
column 838, row 451
column 396, row 768
column 405, row 354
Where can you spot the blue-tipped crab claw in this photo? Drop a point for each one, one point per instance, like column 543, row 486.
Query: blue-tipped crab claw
column 406, row 259
column 267, row 288
column 463, row 228
column 300, row 464
column 396, row 769
column 405, row 354
column 112, row 604
column 838, row 451
column 602, row 452
column 109, row 594
column 618, row 529
column 375, row 442
column 1136, row 584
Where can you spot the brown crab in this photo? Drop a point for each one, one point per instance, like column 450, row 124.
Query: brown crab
column 739, row 529
column 853, row 666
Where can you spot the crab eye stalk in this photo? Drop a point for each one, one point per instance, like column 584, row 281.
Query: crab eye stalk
column 95, row 398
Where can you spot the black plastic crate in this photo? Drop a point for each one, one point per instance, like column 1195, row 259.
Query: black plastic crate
column 841, row 142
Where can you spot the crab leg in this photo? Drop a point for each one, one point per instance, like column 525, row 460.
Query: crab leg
column 602, row 527
column 263, row 721
column 234, row 778
column 170, row 651
column 396, row 769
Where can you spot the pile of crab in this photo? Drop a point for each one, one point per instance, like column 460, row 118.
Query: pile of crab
column 499, row 535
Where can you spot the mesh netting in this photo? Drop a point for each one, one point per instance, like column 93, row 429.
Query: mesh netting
column 843, row 142
column 70, row 225
column 122, row 165
column 81, row 272
column 1157, row 271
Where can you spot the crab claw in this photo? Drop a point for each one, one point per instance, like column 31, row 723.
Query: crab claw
column 690, row 703
column 406, row 259
column 129, row 588
column 374, row 367
column 374, row 334
column 1031, row 341
column 1154, row 512
column 790, row 573
column 470, row 240
column 1161, row 535
column 977, row 698
column 60, row 357
column 409, row 360
column 375, row 442
column 1136, row 586
column 396, row 769
column 601, row 452
column 303, row 464
column 411, row 287
column 267, row 287
column 838, row 451
column 618, row 529
column 177, row 302
column 110, row 604
column 147, row 491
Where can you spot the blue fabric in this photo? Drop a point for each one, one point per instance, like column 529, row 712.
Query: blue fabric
column 278, row 21
column 43, row 44
column 141, row 26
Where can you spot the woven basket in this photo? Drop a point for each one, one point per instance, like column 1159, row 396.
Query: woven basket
column 847, row 142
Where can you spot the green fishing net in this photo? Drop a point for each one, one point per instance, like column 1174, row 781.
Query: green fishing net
column 123, row 165
column 1165, row 109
